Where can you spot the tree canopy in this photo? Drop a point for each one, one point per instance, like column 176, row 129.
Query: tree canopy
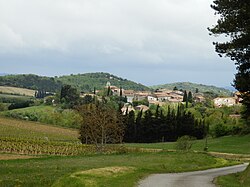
column 234, row 24
column 100, row 125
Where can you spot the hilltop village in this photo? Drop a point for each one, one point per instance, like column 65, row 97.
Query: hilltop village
column 145, row 99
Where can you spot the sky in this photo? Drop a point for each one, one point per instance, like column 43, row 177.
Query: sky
column 148, row 41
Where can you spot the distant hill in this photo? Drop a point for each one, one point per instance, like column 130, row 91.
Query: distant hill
column 89, row 81
column 83, row 82
column 192, row 87
column 231, row 88
column 3, row 74
column 31, row 81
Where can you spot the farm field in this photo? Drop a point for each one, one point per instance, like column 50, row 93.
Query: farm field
column 45, row 114
column 226, row 144
column 17, row 91
column 23, row 137
column 13, row 128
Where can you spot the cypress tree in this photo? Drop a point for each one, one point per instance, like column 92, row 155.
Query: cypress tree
column 190, row 97
column 185, row 96
column 108, row 92
column 137, row 127
column 120, row 91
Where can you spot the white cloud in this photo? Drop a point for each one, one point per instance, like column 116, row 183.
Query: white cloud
column 142, row 32
column 9, row 39
column 130, row 23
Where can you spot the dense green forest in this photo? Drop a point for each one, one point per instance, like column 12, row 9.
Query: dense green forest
column 83, row 82
column 89, row 81
column 194, row 87
column 31, row 81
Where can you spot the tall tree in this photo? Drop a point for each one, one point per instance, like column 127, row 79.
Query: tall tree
column 190, row 97
column 185, row 96
column 196, row 90
column 100, row 125
column 120, row 91
column 69, row 95
column 234, row 23
column 108, row 91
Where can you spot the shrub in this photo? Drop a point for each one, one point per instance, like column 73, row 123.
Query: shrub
column 220, row 130
column 184, row 143
column 3, row 107
column 22, row 104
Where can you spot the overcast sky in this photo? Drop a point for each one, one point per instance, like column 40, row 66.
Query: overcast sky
column 147, row 41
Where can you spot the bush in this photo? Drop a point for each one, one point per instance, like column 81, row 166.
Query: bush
column 184, row 143
column 3, row 107
column 22, row 104
column 220, row 130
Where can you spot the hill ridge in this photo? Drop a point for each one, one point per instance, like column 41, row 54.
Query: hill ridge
column 189, row 86
column 83, row 82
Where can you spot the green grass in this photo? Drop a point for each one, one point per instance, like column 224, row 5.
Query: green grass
column 227, row 144
column 241, row 179
column 12, row 128
column 45, row 114
column 22, row 97
column 58, row 170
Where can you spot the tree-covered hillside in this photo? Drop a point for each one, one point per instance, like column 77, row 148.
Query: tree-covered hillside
column 193, row 87
column 31, row 81
column 83, row 82
column 89, row 81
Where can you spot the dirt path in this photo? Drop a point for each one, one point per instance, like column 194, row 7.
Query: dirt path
column 190, row 179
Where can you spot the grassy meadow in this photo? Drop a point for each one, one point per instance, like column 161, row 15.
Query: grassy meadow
column 226, row 144
column 241, row 179
column 46, row 114
column 110, row 169
column 14, row 128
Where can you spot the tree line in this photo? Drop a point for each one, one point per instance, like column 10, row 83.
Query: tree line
column 147, row 127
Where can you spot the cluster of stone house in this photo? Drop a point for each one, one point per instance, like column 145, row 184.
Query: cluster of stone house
column 228, row 101
column 157, row 97
column 163, row 96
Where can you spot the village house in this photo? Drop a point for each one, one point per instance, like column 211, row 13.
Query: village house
column 224, row 101
column 198, row 98
column 139, row 96
column 237, row 96
column 142, row 108
column 127, row 108
column 152, row 97
column 163, row 96
column 129, row 94
column 228, row 101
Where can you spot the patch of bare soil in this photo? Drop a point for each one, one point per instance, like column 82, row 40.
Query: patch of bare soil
column 107, row 171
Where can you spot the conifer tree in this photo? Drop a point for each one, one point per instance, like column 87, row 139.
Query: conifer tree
column 190, row 97
column 233, row 23
column 185, row 96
